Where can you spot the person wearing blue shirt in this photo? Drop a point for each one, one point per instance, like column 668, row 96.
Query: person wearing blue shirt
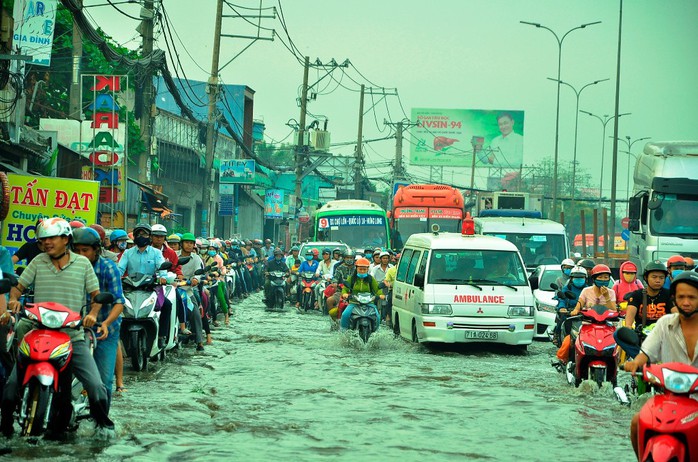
column 86, row 242
column 576, row 282
column 309, row 265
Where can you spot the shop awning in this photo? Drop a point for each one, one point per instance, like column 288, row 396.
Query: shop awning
column 154, row 201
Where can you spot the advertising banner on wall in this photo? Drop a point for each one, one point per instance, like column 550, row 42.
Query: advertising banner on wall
column 34, row 197
column 274, row 203
column 444, row 137
column 34, row 23
column 241, row 171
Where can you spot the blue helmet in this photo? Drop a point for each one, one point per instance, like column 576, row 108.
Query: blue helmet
column 118, row 234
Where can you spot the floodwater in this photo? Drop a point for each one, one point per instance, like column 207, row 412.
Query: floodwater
column 282, row 385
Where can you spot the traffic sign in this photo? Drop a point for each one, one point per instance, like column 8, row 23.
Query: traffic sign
column 625, row 222
column 303, row 217
column 625, row 235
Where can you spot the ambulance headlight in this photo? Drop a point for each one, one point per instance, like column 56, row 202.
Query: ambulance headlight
column 437, row 309
column 520, row 311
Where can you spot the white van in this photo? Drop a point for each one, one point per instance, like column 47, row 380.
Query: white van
column 540, row 241
column 462, row 288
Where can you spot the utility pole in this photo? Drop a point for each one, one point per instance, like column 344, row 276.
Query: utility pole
column 398, row 169
column 146, row 109
column 300, row 145
column 211, row 129
column 614, row 164
column 358, row 186
column 75, row 111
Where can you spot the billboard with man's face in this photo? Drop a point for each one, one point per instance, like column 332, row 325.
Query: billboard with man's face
column 445, row 137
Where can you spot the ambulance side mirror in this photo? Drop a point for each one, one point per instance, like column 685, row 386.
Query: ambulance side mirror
column 419, row 280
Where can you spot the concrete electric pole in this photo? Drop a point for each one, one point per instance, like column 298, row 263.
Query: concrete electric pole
column 147, row 15
column 358, row 181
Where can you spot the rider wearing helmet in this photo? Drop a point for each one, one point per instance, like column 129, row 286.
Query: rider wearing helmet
column 64, row 277
column 174, row 242
column 575, row 284
column 588, row 264
column 309, row 265
column 337, row 254
column 159, row 233
column 628, row 281
column 341, row 273
column 118, row 240
column 193, row 290
column 327, row 264
column 690, row 264
column 359, row 282
column 654, row 296
column 676, row 265
column 566, row 267
column 293, row 257
column 29, row 250
column 75, row 224
column 88, row 243
column 673, row 336
column 598, row 293
column 267, row 250
column 277, row 263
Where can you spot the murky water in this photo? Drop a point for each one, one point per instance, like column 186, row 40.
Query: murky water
column 281, row 385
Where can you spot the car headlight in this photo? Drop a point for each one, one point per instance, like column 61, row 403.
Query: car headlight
column 546, row 308
column 439, row 309
column 52, row 319
column 520, row 311
column 678, row 382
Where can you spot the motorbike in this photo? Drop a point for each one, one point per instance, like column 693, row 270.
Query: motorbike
column 569, row 301
column 595, row 350
column 277, row 290
column 140, row 326
column 364, row 318
column 44, row 356
column 319, row 291
column 307, row 287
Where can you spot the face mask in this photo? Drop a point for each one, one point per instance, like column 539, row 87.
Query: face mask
column 362, row 275
column 121, row 245
column 203, row 251
column 628, row 277
column 142, row 241
column 579, row 282
column 600, row 283
column 567, row 271
column 675, row 273
column 686, row 314
column 277, row 258
column 212, row 253
column 308, row 257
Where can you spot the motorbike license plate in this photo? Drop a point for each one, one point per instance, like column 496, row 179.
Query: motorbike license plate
column 481, row 335
column 307, row 289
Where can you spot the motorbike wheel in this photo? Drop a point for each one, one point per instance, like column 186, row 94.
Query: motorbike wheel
column 415, row 337
column 599, row 376
column 279, row 300
column 396, row 326
column 364, row 333
column 37, row 409
column 306, row 301
column 139, row 357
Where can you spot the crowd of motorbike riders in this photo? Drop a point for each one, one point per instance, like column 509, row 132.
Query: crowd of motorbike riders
column 210, row 275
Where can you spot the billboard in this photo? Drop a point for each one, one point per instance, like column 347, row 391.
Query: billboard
column 241, row 171
column 34, row 23
column 445, row 137
column 33, row 197
column 274, row 203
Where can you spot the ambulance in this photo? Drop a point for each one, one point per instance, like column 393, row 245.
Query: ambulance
column 462, row 288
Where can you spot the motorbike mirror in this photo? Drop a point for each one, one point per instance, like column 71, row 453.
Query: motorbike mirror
column 628, row 335
column 104, row 298
column 5, row 285
column 166, row 265
column 561, row 295
column 570, row 295
column 183, row 260
column 627, row 297
column 211, row 266
column 554, row 286
column 200, row 271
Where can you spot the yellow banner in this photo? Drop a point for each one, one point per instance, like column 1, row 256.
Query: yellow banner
column 34, row 197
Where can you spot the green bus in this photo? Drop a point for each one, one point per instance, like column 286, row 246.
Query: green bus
column 359, row 224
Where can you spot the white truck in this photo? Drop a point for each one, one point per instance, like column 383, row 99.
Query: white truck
column 663, row 210
column 505, row 200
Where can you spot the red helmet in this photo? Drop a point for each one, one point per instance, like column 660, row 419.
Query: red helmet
column 675, row 260
column 75, row 224
column 316, row 252
column 100, row 230
column 600, row 269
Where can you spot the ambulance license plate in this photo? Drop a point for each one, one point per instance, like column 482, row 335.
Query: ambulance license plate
column 480, row 335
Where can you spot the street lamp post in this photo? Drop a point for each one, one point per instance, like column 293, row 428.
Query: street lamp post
column 557, row 109
column 629, row 144
column 604, row 120
column 576, row 125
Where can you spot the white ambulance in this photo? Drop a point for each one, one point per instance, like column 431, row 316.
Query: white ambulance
column 453, row 287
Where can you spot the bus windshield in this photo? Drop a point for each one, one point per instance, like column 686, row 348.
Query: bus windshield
column 357, row 231
column 677, row 215
column 488, row 267
column 537, row 249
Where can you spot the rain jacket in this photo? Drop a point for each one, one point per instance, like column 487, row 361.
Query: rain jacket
column 621, row 287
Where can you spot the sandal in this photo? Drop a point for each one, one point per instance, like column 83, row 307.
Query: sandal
column 185, row 331
column 120, row 390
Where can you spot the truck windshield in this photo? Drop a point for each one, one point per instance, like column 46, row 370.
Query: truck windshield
column 476, row 266
column 405, row 227
column 537, row 249
column 677, row 215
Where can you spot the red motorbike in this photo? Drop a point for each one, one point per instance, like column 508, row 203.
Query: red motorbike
column 308, row 281
column 668, row 426
column 595, row 350
column 44, row 357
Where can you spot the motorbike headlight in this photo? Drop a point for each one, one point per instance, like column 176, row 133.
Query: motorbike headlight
column 52, row 319
column 546, row 308
column 521, row 311
column 437, row 309
column 678, row 382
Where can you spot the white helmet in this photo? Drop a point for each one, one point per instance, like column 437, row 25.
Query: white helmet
column 578, row 271
column 567, row 262
column 51, row 227
column 158, row 230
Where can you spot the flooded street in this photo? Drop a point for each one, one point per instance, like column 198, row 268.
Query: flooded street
column 279, row 385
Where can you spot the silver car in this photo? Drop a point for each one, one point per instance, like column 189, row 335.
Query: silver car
column 544, row 294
